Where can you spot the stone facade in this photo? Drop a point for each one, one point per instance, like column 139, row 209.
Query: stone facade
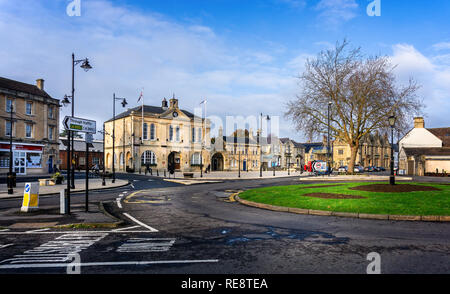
column 35, row 127
column 239, row 151
column 374, row 150
column 164, row 136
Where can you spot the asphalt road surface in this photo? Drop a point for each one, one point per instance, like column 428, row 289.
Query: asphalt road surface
column 177, row 229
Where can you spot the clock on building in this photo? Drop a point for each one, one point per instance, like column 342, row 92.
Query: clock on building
column 175, row 114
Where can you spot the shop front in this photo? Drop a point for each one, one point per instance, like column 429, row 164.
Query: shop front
column 27, row 158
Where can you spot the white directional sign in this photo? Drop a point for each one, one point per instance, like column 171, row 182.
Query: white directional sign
column 76, row 124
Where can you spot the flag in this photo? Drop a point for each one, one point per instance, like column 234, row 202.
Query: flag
column 140, row 97
column 204, row 101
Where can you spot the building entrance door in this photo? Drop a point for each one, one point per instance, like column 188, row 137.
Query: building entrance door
column 20, row 160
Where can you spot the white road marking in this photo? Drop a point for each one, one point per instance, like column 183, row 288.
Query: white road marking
column 53, row 265
column 71, row 232
column 38, row 230
column 144, row 245
column 118, row 203
column 140, row 223
column 151, row 180
column 132, row 186
column 127, row 228
column 60, row 249
column 4, row 246
column 4, row 230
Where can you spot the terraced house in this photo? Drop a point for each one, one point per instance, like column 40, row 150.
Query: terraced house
column 374, row 150
column 158, row 137
column 241, row 151
column 31, row 116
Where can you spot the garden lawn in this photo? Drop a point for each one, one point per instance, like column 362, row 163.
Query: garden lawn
column 436, row 203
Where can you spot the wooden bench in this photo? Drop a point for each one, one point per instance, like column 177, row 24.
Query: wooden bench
column 189, row 175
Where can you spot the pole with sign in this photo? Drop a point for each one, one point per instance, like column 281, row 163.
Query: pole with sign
column 76, row 124
column 89, row 139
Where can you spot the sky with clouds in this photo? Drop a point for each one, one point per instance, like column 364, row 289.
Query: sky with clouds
column 242, row 56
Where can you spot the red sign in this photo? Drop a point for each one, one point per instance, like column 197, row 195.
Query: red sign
column 22, row 147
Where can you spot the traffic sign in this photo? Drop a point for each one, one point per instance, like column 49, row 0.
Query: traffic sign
column 76, row 124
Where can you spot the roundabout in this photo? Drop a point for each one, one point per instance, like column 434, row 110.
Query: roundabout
column 415, row 201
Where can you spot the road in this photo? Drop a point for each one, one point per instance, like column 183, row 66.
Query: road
column 175, row 229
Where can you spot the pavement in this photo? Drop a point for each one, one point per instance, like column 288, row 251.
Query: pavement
column 80, row 186
column 49, row 217
column 232, row 175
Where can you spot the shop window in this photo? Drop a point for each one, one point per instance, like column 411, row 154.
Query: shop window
column 34, row 160
column 4, row 159
column 148, row 157
column 196, row 160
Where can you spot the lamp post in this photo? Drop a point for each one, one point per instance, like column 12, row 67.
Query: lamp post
column 124, row 103
column 289, row 158
column 260, row 146
column 328, row 141
column 86, row 66
column 392, row 120
column 10, row 174
column 104, row 163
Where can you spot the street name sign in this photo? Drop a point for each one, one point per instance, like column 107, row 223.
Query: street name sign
column 82, row 125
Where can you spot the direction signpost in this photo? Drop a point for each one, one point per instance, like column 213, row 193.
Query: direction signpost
column 76, row 124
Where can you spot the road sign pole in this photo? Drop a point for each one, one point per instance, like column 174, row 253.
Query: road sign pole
column 87, row 175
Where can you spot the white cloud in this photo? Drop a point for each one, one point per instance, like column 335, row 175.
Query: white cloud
column 130, row 50
column 442, row 46
column 335, row 12
column 432, row 75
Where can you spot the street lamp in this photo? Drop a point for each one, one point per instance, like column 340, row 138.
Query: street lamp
column 124, row 103
column 104, row 163
column 392, row 120
column 260, row 145
column 86, row 66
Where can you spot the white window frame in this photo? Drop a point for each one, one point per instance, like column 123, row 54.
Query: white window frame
column 196, row 158
column 6, row 105
column 31, row 107
column 26, row 133
column 152, row 132
column 12, row 128
column 145, row 132
column 148, row 157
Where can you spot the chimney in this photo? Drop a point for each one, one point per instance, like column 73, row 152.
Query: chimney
column 419, row 123
column 40, row 84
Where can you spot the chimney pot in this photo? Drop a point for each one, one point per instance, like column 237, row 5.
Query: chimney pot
column 40, row 84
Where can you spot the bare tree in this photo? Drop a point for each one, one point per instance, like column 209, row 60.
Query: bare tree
column 363, row 93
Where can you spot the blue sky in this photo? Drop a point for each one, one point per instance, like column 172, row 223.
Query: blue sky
column 243, row 56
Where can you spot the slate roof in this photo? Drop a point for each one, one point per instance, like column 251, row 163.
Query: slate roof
column 148, row 110
column 80, row 145
column 443, row 134
column 22, row 87
column 309, row 146
column 427, row 151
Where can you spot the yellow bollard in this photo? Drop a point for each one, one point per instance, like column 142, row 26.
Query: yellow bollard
column 30, row 197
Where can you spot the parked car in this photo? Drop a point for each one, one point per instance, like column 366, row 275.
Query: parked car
column 383, row 169
column 377, row 168
column 343, row 169
column 358, row 169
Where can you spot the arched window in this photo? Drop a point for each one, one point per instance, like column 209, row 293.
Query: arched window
column 145, row 132
column 152, row 132
column 121, row 158
column 195, row 159
column 148, row 157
